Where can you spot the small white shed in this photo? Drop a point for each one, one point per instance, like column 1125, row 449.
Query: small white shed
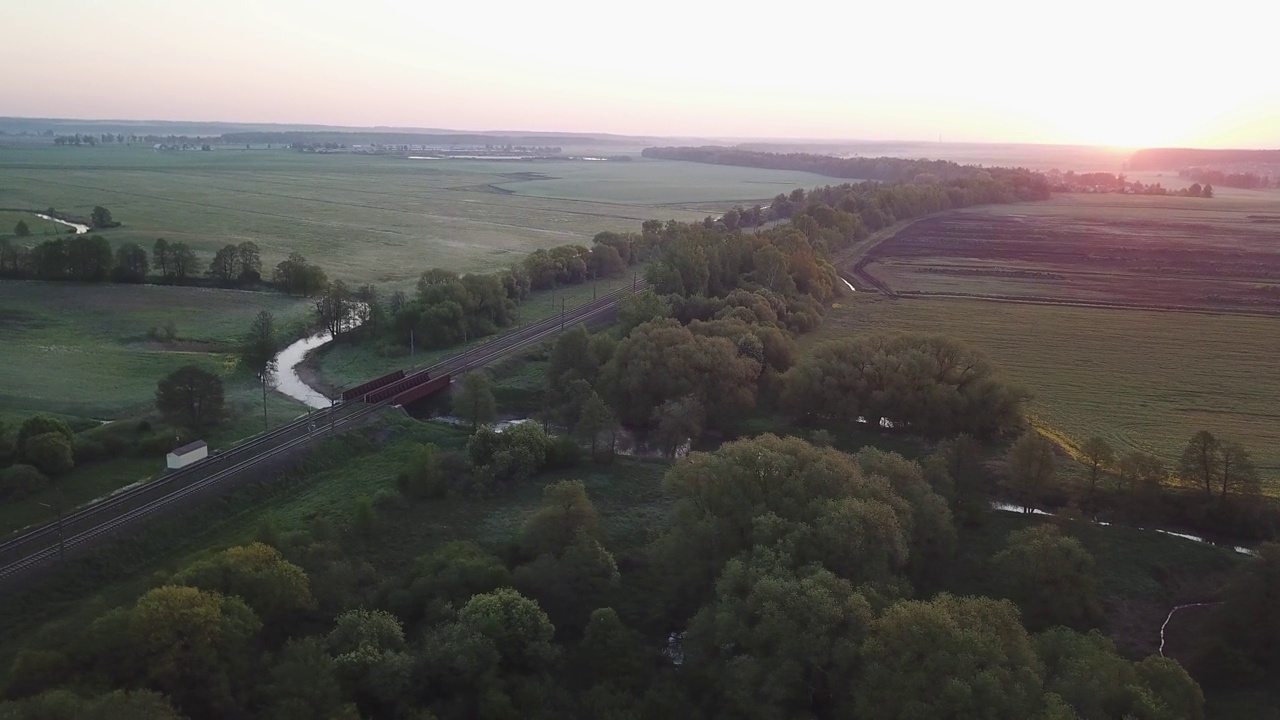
column 188, row 454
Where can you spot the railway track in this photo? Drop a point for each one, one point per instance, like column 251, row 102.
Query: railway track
column 83, row 525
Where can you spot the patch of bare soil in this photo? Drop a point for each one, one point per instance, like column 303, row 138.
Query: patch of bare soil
column 1233, row 263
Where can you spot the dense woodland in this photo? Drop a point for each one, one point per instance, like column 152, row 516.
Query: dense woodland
column 785, row 579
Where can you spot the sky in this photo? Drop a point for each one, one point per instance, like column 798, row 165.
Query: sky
column 1125, row 73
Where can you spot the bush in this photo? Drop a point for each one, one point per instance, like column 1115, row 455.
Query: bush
column 88, row 451
column 387, row 498
column 21, row 481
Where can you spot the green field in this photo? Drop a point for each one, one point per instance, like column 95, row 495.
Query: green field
column 83, row 351
column 368, row 218
column 1143, row 379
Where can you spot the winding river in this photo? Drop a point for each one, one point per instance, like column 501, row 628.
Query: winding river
column 287, row 382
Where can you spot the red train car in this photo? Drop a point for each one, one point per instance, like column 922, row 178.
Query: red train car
column 359, row 391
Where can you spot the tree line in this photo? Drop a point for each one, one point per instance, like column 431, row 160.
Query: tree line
column 91, row 258
column 1028, row 185
column 449, row 308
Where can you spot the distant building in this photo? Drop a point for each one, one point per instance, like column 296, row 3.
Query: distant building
column 187, row 454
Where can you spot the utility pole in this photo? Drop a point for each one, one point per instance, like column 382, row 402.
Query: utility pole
column 561, row 313
column 635, row 275
column 411, row 342
column 265, row 425
column 62, row 543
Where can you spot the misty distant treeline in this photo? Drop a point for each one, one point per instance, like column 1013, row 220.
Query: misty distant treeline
column 396, row 138
column 881, row 169
column 1178, row 158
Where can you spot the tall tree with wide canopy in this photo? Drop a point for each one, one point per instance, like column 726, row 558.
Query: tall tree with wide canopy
column 662, row 360
column 190, row 396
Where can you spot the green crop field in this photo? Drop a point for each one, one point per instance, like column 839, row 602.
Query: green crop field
column 368, row 218
column 83, row 351
column 1142, row 379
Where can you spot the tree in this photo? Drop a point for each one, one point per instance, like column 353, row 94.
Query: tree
column 1031, row 467
column 449, row 576
column 1239, row 474
column 639, row 308
column 611, row 653
column 248, row 262
column 65, row 704
column 1206, row 191
column 21, row 229
column 369, row 657
column 933, row 385
column 1248, row 624
column 258, row 353
column 184, row 261
column 566, row 514
column 1050, row 577
column 101, row 217
column 274, row 588
column 596, row 418
column 1097, row 456
column 50, row 452
column 516, row 626
column 192, row 645
column 333, row 308
column 162, row 254
column 422, row 476
column 40, row 425
column 949, row 657
column 474, row 401
column 303, row 684
column 131, row 263
column 190, row 396
column 224, row 264
column 678, row 421
column 1091, row 677
column 663, row 360
column 568, row 585
column 779, row 492
column 1201, row 461
column 777, row 642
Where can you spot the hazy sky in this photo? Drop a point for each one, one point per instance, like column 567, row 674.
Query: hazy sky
column 1122, row 72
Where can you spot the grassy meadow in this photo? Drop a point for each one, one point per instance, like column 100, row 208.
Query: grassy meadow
column 1141, row 379
column 83, row 351
column 368, row 218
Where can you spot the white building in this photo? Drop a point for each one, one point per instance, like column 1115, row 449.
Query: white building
column 187, row 454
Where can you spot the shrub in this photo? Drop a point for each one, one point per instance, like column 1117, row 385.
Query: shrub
column 21, row 481
column 88, row 451
column 387, row 498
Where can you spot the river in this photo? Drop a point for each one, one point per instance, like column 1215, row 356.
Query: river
column 80, row 229
column 1008, row 507
column 287, row 382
